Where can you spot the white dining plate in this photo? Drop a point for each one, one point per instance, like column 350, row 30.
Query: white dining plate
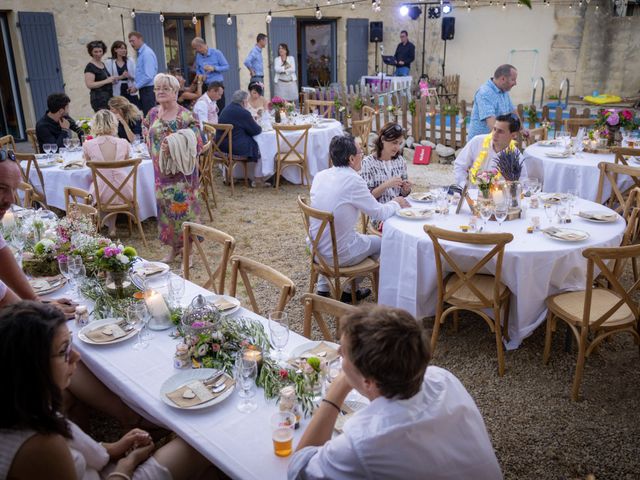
column 553, row 197
column 558, row 154
column 82, row 334
column 422, row 197
column 45, row 286
column 604, row 217
column 305, row 347
column 151, row 269
column 548, row 143
column 415, row 213
column 579, row 235
column 186, row 376
column 229, row 311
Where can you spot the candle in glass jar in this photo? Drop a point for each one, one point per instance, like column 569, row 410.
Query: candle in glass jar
column 9, row 220
column 253, row 354
column 498, row 197
column 161, row 317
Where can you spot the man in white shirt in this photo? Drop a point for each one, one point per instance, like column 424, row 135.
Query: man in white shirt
column 343, row 192
column 206, row 108
column 505, row 129
column 417, row 425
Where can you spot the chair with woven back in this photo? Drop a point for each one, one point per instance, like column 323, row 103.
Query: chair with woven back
column 33, row 138
column 471, row 290
column 23, row 195
column 536, row 135
column 292, row 142
column 195, row 237
column 572, row 125
column 368, row 112
column 324, row 107
column 361, row 129
column 315, row 306
column 609, row 172
column 39, row 194
column 81, row 201
column 621, row 154
column 247, row 267
column 596, row 313
column 332, row 269
column 205, row 174
column 227, row 159
column 116, row 202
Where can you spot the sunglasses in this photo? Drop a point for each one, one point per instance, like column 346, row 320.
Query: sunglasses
column 7, row 155
column 392, row 130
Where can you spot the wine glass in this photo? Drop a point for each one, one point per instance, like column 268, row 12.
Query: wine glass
column 279, row 332
column 486, row 210
column 136, row 140
column 135, row 318
column 572, row 195
column 53, row 147
column 500, row 211
column 75, row 143
column 246, row 374
column 46, row 148
column 548, row 211
column 176, row 289
column 66, row 142
column 63, row 266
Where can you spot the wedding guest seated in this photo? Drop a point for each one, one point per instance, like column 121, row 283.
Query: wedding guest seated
column 129, row 118
column 38, row 440
column 257, row 103
column 421, row 422
column 343, row 192
column 107, row 147
column 482, row 151
column 206, row 108
column 385, row 170
column 56, row 124
column 187, row 96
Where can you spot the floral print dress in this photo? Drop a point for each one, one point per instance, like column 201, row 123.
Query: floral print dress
column 177, row 196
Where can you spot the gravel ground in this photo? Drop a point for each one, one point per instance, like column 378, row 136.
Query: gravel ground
column 536, row 430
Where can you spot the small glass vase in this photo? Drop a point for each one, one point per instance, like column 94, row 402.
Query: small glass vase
column 116, row 284
column 313, row 385
column 513, row 192
column 278, row 116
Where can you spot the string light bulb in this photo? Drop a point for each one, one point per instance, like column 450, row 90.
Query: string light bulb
column 86, row 3
column 570, row 5
column 580, row 3
column 504, row 6
column 229, row 20
column 597, row 7
column 268, row 19
column 328, row 2
column 194, row 19
column 133, row 13
column 353, row 6
column 378, row 8
column 318, row 12
column 373, row 5
column 108, row 7
column 161, row 18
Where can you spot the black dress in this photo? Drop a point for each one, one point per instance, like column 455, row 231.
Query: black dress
column 99, row 96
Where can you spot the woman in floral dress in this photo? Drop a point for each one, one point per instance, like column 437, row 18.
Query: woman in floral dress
column 177, row 195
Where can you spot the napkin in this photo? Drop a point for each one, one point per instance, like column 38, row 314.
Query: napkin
column 563, row 234
column 415, row 213
column 330, row 353
column 98, row 335
column 349, row 408
column 553, row 198
column 603, row 217
column 150, row 268
column 223, row 304
column 73, row 164
column 43, row 284
column 421, row 196
column 202, row 393
column 563, row 154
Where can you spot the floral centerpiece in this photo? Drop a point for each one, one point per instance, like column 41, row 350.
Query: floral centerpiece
column 486, row 180
column 277, row 103
column 115, row 261
column 85, row 124
column 610, row 121
column 509, row 163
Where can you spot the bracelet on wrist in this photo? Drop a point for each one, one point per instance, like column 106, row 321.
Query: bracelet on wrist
column 119, row 475
column 334, row 405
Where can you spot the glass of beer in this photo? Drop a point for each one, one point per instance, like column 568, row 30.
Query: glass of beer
column 282, row 426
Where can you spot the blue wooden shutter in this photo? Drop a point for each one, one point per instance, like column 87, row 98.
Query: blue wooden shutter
column 149, row 25
column 282, row 30
column 227, row 43
column 40, row 45
column 357, row 49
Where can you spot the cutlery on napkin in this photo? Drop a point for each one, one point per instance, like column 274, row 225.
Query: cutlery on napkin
column 73, row 164
column 196, row 392
column 106, row 333
column 597, row 216
column 562, row 234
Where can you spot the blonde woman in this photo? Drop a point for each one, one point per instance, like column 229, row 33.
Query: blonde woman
column 129, row 118
column 105, row 146
column 177, row 195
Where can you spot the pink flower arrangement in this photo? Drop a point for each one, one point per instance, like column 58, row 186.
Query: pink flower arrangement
column 277, row 102
column 215, row 347
column 616, row 118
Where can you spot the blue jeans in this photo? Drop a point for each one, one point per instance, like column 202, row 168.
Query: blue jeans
column 402, row 71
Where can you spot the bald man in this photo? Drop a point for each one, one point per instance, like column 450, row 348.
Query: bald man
column 210, row 63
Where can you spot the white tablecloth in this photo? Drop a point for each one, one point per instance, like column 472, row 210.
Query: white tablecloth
column 562, row 174
column 534, row 266
column 396, row 83
column 317, row 152
column 239, row 443
column 56, row 178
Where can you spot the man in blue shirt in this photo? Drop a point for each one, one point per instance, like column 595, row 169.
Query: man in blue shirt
column 210, row 63
column 492, row 99
column 146, row 71
column 254, row 60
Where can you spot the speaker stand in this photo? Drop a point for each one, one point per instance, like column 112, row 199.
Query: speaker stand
column 444, row 59
column 376, row 57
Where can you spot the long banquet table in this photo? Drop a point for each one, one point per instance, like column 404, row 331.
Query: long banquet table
column 238, row 443
column 534, row 266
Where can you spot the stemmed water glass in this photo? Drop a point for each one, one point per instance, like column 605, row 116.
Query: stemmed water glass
column 549, row 212
column 176, row 289
column 279, row 333
column 46, row 148
column 500, row 211
column 75, row 143
column 136, row 313
column 77, row 270
column 486, row 210
column 67, row 143
column 63, row 266
column 572, row 195
column 246, row 374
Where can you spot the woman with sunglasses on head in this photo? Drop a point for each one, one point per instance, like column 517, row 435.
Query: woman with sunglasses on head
column 35, row 344
column 97, row 78
column 385, row 171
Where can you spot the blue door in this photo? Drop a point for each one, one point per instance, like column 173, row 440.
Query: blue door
column 227, row 43
column 282, row 30
column 149, row 25
column 40, row 43
column 357, row 49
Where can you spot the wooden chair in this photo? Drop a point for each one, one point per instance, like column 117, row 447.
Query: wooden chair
column 7, row 143
column 32, row 137
column 117, row 202
column 195, row 234
column 595, row 312
column 361, row 129
column 289, row 150
column 471, row 290
column 39, row 195
column 23, row 195
column 535, row 135
column 245, row 266
column 227, row 159
column 609, row 172
column 621, row 154
column 325, row 107
column 205, row 174
column 332, row 269
column 81, row 201
column 368, row 112
column 315, row 306
column 572, row 125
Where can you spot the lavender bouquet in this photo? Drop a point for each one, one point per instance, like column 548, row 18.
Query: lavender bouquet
column 509, row 164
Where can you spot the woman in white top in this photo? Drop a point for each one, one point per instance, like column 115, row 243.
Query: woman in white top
column 256, row 103
column 285, row 79
column 37, row 440
column 124, row 68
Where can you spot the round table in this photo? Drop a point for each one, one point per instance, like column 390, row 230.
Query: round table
column 534, row 266
column 579, row 172
column 56, row 178
column 317, row 152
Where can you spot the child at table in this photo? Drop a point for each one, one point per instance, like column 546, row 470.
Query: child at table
column 35, row 349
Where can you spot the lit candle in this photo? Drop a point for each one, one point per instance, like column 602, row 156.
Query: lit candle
column 498, row 196
column 252, row 353
column 160, row 315
column 9, row 220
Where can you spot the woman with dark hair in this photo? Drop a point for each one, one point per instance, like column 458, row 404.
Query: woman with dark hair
column 97, row 78
column 256, row 104
column 285, row 79
column 38, row 363
column 124, row 68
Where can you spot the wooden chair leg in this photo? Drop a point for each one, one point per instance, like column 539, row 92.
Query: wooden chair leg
column 230, row 177
column 436, row 328
column 312, row 280
column 456, row 321
column 499, row 346
column 245, row 166
column 505, row 319
column 354, row 292
column 205, row 197
column 374, row 284
column 577, row 379
column 306, row 325
column 547, row 338
column 278, row 173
